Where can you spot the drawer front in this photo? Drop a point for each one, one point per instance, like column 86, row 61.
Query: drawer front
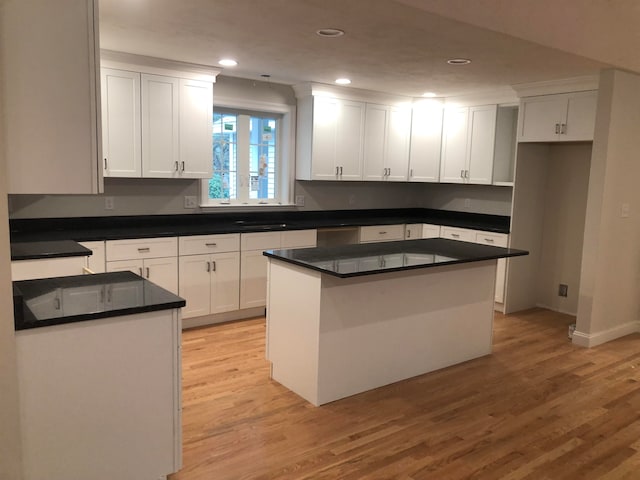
column 260, row 241
column 142, row 248
column 490, row 238
column 201, row 244
column 298, row 239
column 458, row 234
column 381, row 233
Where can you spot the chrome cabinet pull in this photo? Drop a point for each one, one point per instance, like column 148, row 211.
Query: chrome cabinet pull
column 340, row 171
column 140, row 270
column 147, row 272
column 183, row 166
column 462, row 173
column 466, row 174
column 144, row 250
column 213, row 266
column 109, row 293
column 382, row 233
column 455, row 235
column 208, row 266
column 557, row 128
column 411, row 172
column 176, row 166
column 56, row 303
column 408, row 233
column 106, row 164
column 490, row 240
column 211, row 244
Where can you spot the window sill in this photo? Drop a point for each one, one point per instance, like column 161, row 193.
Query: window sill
column 251, row 207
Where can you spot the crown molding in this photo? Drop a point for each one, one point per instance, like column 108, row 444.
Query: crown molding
column 347, row 93
column 551, row 87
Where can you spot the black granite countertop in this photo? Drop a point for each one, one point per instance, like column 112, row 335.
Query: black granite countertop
column 373, row 258
column 147, row 226
column 48, row 249
column 54, row 301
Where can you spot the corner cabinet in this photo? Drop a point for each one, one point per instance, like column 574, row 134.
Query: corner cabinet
column 329, row 142
column 52, row 131
column 567, row 117
column 468, row 142
column 156, row 126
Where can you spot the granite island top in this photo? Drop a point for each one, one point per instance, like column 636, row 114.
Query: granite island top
column 148, row 226
column 47, row 249
column 374, row 258
column 54, row 301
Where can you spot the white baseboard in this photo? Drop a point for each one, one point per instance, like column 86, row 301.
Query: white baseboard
column 559, row 310
column 222, row 317
column 592, row 339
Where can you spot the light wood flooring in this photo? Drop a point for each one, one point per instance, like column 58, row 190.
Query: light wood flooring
column 537, row 408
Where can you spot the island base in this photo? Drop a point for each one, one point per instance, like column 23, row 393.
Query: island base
column 330, row 338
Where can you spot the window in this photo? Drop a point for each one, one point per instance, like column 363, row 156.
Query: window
column 247, row 159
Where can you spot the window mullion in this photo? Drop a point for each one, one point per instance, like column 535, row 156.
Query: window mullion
column 243, row 158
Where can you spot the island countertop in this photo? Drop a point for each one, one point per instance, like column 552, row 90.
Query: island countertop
column 374, row 258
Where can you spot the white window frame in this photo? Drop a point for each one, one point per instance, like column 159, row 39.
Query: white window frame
column 285, row 171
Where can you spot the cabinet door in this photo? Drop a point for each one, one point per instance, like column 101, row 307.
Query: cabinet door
column 397, row 143
column 225, row 282
column 195, row 284
column 163, row 272
column 81, row 300
column 121, row 123
column 51, row 96
column 196, row 125
column 430, row 231
column 160, row 126
column 326, row 111
column 349, row 140
column 375, row 127
column 482, row 138
column 541, row 117
column 135, row 266
column 454, row 145
column 413, row 231
column 581, row 116
column 299, row 239
column 426, row 140
column 253, row 279
column 96, row 261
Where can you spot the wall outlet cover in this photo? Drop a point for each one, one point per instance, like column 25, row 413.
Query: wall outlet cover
column 300, row 200
column 190, row 201
column 109, row 203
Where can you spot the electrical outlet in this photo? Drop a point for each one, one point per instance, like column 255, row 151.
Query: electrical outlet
column 300, row 200
column 467, row 203
column 190, row 201
column 563, row 290
column 109, row 203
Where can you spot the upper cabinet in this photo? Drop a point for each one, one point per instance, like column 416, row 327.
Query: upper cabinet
column 426, row 139
column 567, row 117
column 329, row 142
column 386, row 142
column 468, row 142
column 156, row 126
column 51, row 121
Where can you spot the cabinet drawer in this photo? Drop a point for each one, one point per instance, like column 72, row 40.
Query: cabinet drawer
column 298, row 239
column 495, row 239
column 200, row 244
column 260, row 241
column 458, row 234
column 381, row 233
column 141, row 248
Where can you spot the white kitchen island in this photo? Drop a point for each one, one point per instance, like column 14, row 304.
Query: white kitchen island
column 344, row 320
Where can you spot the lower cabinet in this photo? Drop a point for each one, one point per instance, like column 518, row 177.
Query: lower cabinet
column 415, row 231
column 382, row 233
column 161, row 271
column 47, row 267
column 96, row 261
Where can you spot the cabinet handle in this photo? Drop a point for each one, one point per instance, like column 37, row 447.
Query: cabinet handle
column 337, row 171
column 106, row 164
column 411, row 172
column 176, row 165
column 140, row 270
column 208, row 266
column 455, row 235
column 109, row 293
column 461, row 173
column 56, row 303
column 382, row 233
column 340, row 171
column 144, row 250
column 147, row 272
column 211, row 244
column 557, row 128
column 490, row 240
column 102, row 295
column 213, row 266
column 466, row 174
column 183, row 166
column 563, row 128
column 408, row 233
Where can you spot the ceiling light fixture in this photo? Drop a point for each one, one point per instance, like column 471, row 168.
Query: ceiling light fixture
column 329, row 32
column 459, row 61
column 343, row 81
column 429, row 94
column 228, row 62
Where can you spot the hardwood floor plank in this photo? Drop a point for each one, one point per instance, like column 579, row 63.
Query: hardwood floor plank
column 536, row 408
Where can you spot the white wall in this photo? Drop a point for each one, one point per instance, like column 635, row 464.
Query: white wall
column 10, row 456
column 609, row 303
column 468, row 198
column 565, row 201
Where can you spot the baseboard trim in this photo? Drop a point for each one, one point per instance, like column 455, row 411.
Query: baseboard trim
column 204, row 320
column 589, row 340
column 559, row 310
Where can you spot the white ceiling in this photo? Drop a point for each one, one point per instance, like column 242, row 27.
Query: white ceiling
column 396, row 46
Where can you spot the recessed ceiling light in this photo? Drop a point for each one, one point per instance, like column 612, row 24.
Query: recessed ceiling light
column 228, row 62
column 330, row 32
column 429, row 94
column 459, row 61
column 343, row 81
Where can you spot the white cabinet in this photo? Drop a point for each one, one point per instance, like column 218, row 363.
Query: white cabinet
column 454, row 233
column 558, row 118
column 47, row 267
column 426, row 141
column 430, row 231
column 386, row 142
column 51, row 96
column 154, row 259
column 329, row 142
column 96, row 261
column 253, row 264
column 468, row 144
column 209, row 282
column 121, row 132
column 381, row 233
column 156, row 126
column 421, row 230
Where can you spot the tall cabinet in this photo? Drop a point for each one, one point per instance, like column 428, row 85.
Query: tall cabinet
column 52, row 91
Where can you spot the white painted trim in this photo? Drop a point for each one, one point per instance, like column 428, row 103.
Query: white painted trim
column 550, row 87
column 503, row 96
column 158, row 66
column 589, row 340
column 347, row 93
column 559, row 310
column 223, row 317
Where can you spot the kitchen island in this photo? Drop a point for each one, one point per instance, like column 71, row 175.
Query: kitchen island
column 344, row 320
